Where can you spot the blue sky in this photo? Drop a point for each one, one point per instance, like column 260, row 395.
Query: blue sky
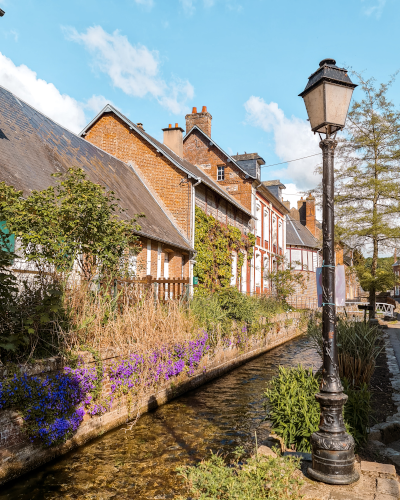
column 246, row 60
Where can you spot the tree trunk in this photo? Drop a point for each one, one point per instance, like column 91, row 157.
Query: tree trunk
column 372, row 292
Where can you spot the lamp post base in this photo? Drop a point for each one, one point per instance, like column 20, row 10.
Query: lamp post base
column 332, row 447
column 329, row 479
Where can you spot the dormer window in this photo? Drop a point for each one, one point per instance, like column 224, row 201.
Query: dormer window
column 221, row 173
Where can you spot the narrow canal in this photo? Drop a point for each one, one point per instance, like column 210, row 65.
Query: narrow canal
column 141, row 463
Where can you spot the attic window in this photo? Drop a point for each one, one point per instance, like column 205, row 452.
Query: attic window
column 221, row 173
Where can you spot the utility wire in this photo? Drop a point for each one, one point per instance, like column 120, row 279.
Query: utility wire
column 289, row 161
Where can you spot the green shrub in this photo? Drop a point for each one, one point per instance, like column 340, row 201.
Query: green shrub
column 295, row 414
column 255, row 479
column 217, row 311
column 292, row 407
column 358, row 347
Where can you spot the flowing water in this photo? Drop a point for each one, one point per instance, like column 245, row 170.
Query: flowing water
column 141, row 463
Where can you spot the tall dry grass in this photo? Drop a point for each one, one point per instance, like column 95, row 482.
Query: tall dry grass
column 132, row 321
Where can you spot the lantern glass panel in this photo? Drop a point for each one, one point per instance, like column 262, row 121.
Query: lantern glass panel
column 337, row 98
column 314, row 102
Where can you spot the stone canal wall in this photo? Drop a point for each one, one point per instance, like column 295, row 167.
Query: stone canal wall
column 19, row 455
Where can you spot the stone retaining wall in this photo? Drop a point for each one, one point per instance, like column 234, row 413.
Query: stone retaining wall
column 18, row 455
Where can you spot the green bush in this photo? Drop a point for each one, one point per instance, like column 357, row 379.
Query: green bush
column 295, row 414
column 254, row 479
column 291, row 406
column 216, row 311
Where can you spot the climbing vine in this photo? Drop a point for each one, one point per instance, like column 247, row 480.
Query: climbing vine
column 214, row 244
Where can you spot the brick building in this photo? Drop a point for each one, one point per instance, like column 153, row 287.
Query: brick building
column 32, row 147
column 303, row 244
column 176, row 184
column 239, row 176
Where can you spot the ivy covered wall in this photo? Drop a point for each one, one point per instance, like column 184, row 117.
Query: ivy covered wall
column 214, row 244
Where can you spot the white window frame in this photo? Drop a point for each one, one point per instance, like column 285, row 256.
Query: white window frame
column 220, row 172
column 258, row 270
column 266, row 224
column 259, row 221
column 234, row 269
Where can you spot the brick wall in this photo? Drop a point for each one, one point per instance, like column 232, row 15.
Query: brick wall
column 197, row 150
column 111, row 134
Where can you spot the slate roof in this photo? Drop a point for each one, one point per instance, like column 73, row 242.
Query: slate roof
column 32, row 147
column 299, row 235
column 190, row 169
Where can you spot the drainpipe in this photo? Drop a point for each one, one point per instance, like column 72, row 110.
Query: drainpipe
column 193, row 235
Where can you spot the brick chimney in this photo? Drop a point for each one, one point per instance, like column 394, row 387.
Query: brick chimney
column 287, row 204
column 310, row 214
column 202, row 120
column 173, row 138
column 301, row 207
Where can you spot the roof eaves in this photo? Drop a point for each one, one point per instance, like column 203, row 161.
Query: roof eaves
column 108, row 108
column 218, row 147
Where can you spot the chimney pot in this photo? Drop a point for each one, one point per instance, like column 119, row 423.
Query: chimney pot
column 169, row 126
column 201, row 120
column 140, row 125
column 176, row 125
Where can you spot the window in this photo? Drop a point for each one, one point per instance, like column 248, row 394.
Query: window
column 221, row 173
column 296, row 259
column 258, row 215
column 266, row 271
column 243, row 277
column 234, row 269
column 274, row 230
column 266, row 225
column 258, row 269
column 280, row 234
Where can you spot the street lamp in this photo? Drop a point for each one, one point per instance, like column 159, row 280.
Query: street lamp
column 327, row 98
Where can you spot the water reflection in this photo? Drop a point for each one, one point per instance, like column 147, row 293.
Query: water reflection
column 141, row 463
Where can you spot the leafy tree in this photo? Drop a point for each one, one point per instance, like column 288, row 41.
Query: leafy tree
column 76, row 221
column 367, row 179
column 384, row 278
column 285, row 279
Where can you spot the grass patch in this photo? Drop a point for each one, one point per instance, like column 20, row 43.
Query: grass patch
column 243, row 479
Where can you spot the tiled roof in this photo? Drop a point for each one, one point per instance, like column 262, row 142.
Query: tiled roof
column 299, row 235
column 184, row 165
column 32, row 147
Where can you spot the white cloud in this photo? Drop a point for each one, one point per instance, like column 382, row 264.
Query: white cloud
column 374, row 8
column 44, row 96
column 133, row 69
column 146, row 3
column 188, row 6
column 14, row 34
column 293, row 139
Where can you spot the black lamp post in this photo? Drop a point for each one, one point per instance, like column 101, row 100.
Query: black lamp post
column 327, row 98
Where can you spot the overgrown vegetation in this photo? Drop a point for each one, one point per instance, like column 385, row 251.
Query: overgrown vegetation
column 243, row 478
column 227, row 310
column 295, row 413
column 214, row 243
